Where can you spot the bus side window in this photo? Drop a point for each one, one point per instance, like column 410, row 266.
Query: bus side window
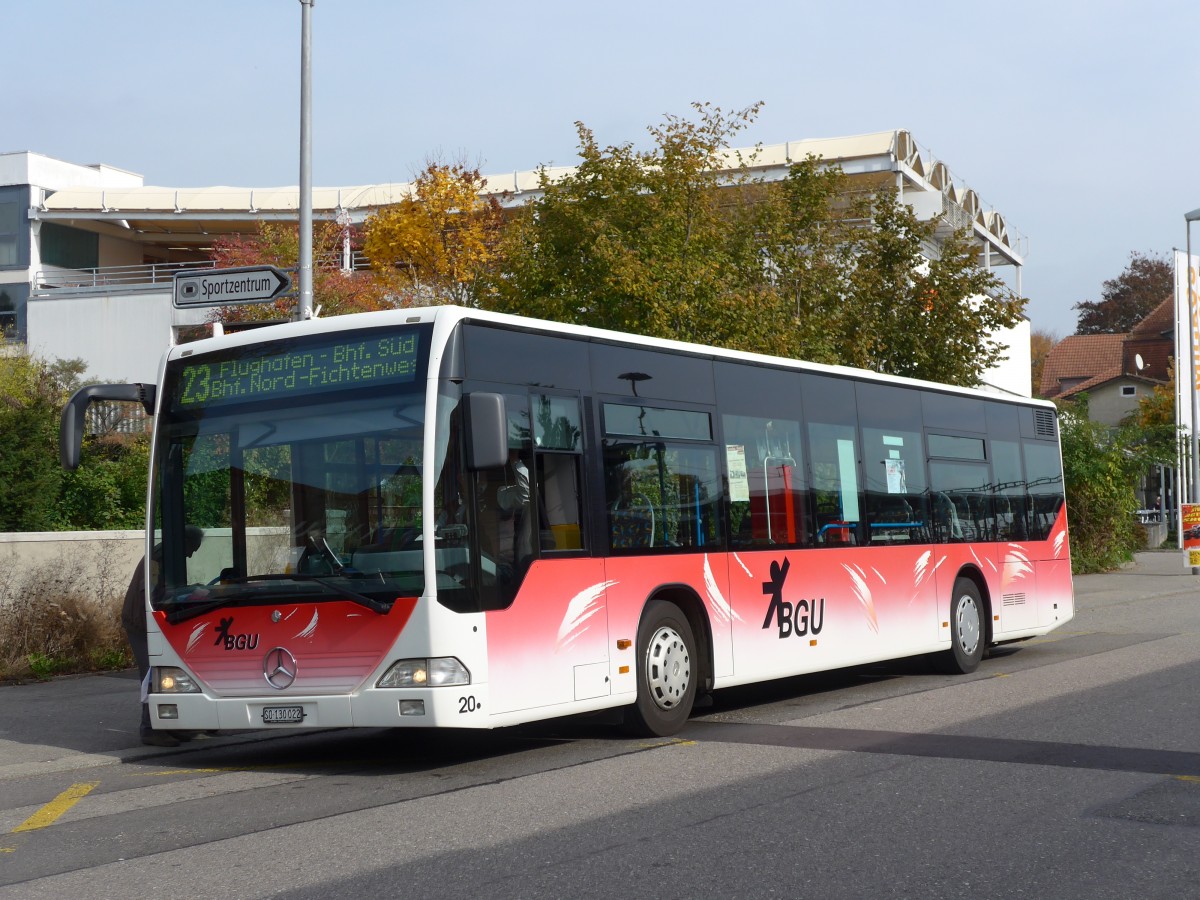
column 504, row 517
column 558, row 442
column 831, row 414
column 835, row 483
column 961, row 502
column 1044, row 473
column 661, row 483
column 1010, row 492
column 766, row 481
column 558, row 483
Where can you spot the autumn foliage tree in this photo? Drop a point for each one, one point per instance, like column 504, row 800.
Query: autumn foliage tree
column 436, row 245
column 1127, row 299
column 1041, row 342
column 335, row 291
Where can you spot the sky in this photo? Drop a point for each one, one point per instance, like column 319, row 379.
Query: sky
column 1077, row 121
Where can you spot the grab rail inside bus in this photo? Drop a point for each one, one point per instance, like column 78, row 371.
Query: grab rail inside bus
column 71, row 426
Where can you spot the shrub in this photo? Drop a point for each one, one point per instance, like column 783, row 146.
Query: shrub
column 1100, row 468
column 62, row 616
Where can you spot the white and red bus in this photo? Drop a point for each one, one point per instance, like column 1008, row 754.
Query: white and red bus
column 444, row 517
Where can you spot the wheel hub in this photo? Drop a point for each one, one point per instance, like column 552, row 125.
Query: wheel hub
column 968, row 624
column 668, row 668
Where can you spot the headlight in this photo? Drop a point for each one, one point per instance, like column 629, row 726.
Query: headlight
column 171, row 680
column 438, row 672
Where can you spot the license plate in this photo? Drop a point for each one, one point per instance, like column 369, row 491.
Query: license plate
column 283, row 715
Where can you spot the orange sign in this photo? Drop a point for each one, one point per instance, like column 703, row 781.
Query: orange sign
column 1191, row 534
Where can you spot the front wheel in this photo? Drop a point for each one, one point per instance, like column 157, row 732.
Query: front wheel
column 967, row 630
column 666, row 672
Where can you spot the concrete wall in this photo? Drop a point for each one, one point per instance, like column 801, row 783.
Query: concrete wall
column 1107, row 406
column 102, row 562
column 121, row 337
column 1011, row 375
column 95, row 564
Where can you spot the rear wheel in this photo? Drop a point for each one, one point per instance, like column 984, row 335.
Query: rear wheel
column 967, row 630
column 666, row 672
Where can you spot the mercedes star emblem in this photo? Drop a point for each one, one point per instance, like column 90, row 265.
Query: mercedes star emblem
column 279, row 668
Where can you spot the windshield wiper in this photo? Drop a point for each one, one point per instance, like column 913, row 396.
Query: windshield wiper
column 176, row 615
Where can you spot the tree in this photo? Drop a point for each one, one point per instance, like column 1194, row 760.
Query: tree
column 1127, row 299
column 647, row 241
column 30, row 477
column 435, row 245
column 935, row 320
column 1040, row 344
column 666, row 242
column 278, row 244
column 108, row 490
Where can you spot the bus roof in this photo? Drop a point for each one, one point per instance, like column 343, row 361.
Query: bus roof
column 446, row 318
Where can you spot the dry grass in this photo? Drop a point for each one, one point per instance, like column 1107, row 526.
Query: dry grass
column 63, row 616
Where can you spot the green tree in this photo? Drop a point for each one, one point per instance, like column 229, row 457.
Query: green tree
column 933, row 319
column 108, row 490
column 657, row 242
column 1127, row 299
column 1101, row 466
column 31, row 396
column 666, row 242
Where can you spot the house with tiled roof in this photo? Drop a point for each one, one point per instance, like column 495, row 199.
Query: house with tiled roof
column 1115, row 370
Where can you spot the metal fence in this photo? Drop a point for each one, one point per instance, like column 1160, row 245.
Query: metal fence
column 117, row 418
column 48, row 283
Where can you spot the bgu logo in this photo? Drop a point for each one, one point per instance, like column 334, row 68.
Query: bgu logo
column 233, row 641
column 799, row 619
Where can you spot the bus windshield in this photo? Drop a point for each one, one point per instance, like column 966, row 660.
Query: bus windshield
column 275, row 494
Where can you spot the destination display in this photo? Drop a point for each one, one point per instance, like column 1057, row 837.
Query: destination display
column 303, row 369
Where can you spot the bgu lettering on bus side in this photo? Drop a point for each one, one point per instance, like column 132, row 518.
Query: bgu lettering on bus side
column 799, row 619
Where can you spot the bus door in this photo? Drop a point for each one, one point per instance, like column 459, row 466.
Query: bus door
column 544, row 597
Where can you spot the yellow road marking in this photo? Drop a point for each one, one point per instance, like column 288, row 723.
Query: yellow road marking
column 1195, row 778
column 50, row 813
column 668, row 743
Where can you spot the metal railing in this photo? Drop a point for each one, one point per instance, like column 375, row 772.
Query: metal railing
column 150, row 276
column 48, row 283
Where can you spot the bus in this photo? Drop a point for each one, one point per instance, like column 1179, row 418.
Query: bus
column 448, row 517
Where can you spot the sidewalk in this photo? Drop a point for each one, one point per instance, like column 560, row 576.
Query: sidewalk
column 1155, row 573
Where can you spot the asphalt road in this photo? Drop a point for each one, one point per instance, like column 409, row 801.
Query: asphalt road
column 1068, row 767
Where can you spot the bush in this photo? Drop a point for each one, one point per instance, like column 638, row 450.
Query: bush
column 1100, row 468
column 63, row 616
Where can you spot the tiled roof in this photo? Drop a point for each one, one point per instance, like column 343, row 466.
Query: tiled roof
column 1105, row 378
column 1161, row 321
column 1083, row 356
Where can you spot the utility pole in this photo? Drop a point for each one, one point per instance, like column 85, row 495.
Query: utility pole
column 305, row 306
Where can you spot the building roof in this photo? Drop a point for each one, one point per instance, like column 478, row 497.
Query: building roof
column 1082, row 362
column 192, row 216
column 1160, row 322
column 1078, row 359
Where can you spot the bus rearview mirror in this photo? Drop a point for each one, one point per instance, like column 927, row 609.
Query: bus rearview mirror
column 487, row 431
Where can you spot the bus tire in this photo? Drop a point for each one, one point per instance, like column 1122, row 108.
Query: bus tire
column 967, row 631
column 666, row 672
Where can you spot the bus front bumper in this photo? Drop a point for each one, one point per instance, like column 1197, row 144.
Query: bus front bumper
column 458, row 707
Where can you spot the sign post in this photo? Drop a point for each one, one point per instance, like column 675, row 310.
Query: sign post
column 228, row 287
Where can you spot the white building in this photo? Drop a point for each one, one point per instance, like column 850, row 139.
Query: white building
column 111, row 305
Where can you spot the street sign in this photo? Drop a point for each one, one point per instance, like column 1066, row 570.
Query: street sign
column 227, row 287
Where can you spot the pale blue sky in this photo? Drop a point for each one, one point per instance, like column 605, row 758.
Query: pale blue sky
column 1078, row 121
